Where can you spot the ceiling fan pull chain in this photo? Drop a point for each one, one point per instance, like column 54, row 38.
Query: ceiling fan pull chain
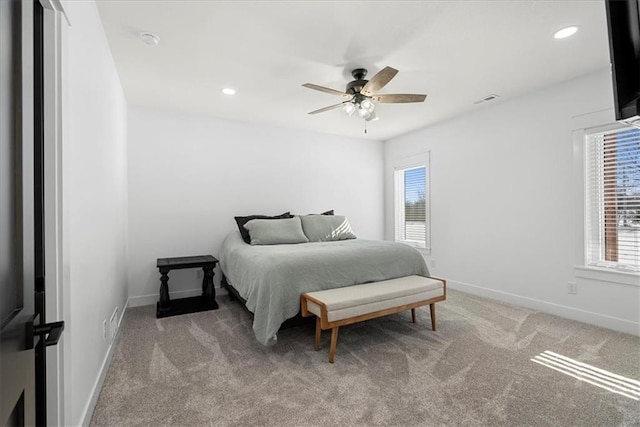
column 365, row 127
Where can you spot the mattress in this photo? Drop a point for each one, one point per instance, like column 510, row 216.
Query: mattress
column 271, row 277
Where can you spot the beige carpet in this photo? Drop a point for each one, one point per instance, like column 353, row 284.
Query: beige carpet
column 207, row 369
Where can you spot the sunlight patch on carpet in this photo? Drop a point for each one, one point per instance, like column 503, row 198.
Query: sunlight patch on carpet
column 599, row 377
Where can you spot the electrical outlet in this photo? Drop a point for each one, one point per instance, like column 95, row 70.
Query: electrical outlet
column 573, row 288
column 104, row 329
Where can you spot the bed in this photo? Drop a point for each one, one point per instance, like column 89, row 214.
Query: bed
column 270, row 278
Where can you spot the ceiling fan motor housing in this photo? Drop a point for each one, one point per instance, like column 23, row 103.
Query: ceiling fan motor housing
column 356, row 85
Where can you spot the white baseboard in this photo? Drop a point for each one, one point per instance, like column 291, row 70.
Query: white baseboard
column 597, row 319
column 97, row 386
column 153, row 298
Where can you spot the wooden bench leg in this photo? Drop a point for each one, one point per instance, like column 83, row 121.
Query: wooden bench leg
column 432, row 308
column 318, row 332
column 413, row 315
column 334, row 343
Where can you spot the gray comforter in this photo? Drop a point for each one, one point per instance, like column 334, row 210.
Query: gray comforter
column 271, row 278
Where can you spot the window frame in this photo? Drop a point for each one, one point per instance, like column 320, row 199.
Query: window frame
column 412, row 162
column 589, row 122
column 595, row 223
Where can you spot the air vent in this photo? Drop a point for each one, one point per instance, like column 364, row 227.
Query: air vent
column 487, row 98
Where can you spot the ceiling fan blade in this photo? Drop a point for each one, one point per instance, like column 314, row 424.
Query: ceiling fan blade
column 378, row 81
column 331, row 107
column 397, row 98
column 325, row 89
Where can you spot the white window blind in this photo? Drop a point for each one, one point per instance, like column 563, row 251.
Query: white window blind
column 412, row 206
column 613, row 199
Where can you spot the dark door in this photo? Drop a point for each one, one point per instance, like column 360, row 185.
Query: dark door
column 47, row 334
column 17, row 356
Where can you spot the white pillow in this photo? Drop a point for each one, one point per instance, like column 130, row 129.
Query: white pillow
column 326, row 228
column 276, row 231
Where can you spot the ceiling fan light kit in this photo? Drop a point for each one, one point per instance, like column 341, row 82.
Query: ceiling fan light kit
column 365, row 109
column 349, row 108
column 361, row 94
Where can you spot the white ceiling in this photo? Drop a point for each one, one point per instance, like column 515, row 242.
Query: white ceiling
column 457, row 52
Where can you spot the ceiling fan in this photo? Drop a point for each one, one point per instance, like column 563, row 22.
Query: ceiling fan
column 361, row 94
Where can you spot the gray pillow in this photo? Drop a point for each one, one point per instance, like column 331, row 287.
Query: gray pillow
column 326, row 228
column 276, row 231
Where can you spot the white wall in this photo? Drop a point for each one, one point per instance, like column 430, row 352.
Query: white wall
column 189, row 176
column 503, row 203
column 94, row 203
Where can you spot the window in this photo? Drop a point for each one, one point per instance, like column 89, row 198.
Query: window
column 613, row 199
column 412, row 205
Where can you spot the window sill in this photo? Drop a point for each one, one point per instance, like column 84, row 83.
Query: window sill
column 606, row 275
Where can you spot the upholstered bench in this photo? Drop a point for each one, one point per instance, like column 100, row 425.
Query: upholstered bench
column 344, row 306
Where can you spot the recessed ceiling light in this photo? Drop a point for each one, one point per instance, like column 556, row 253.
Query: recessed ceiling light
column 565, row 32
column 228, row 91
column 150, row 39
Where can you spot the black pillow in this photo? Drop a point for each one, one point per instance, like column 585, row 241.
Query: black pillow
column 242, row 220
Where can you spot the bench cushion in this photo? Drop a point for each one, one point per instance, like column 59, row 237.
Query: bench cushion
column 351, row 301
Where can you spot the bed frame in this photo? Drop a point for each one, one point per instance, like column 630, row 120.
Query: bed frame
column 297, row 320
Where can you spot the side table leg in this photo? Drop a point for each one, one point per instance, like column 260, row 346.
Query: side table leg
column 208, row 291
column 164, row 303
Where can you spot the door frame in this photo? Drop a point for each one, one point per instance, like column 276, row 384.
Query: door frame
column 57, row 294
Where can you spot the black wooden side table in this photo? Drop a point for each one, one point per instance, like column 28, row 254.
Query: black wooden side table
column 207, row 301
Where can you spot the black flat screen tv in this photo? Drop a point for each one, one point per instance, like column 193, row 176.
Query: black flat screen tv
column 623, row 20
